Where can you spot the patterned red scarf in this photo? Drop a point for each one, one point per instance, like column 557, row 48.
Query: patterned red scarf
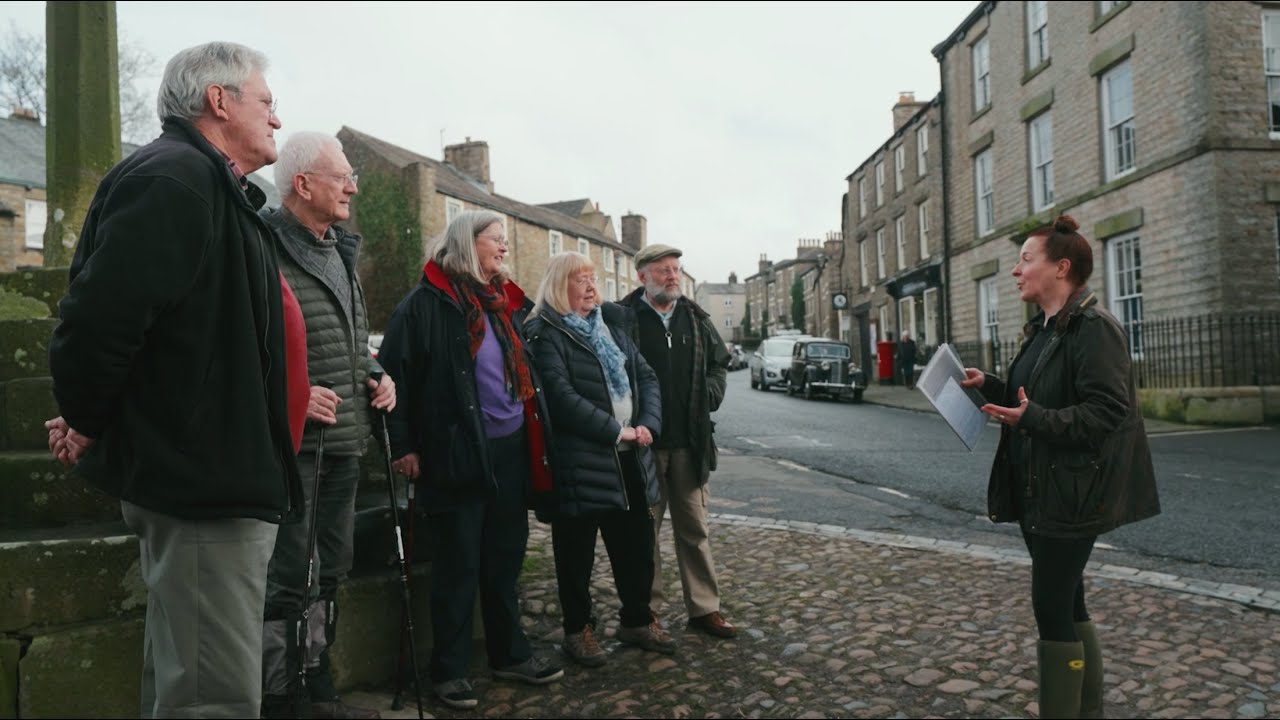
column 478, row 299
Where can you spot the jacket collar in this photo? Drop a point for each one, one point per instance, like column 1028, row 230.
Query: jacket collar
column 1081, row 300
column 635, row 301
column 181, row 130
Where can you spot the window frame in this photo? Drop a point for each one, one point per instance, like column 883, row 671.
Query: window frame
column 862, row 262
column 922, row 227
column 555, row 242
column 899, row 167
column 1113, row 131
column 1124, row 294
column 1038, row 129
column 452, row 209
column 984, row 200
column 1271, row 70
column 900, row 229
column 880, row 183
column 989, row 308
column 34, row 208
column 1037, row 35
column 980, row 60
column 922, row 150
column 880, row 273
column 862, row 198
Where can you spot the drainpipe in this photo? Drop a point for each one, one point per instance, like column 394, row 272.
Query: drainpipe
column 946, row 224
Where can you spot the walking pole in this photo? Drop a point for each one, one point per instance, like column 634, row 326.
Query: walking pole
column 397, row 701
column 404, row 571
column 304, row 611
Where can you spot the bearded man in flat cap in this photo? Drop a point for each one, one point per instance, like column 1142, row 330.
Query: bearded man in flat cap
column 679, row 341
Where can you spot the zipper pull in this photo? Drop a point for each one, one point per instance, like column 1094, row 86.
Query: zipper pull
column 668, row 339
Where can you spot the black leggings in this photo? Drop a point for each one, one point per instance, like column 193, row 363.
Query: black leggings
column 1057, row 583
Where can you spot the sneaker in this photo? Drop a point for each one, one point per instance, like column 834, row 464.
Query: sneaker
column 535, row 671
column 456, row 694
column 582, row 648
column 650, row 637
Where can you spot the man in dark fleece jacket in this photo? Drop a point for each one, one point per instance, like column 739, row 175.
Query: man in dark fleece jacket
column 169, row 369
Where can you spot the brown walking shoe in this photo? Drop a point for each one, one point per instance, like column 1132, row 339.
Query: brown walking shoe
column 714, row 624
column 649, row 637
column 582, row 648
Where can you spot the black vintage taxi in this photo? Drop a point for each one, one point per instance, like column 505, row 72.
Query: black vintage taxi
column 820, row 366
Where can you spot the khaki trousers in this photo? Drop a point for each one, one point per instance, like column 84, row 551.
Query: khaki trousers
column 686, row 498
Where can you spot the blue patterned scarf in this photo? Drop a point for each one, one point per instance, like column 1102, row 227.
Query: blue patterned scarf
column 592, row 329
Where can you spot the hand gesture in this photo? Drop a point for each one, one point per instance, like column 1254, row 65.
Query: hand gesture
column 973, row 378
column 1009, row 416
column 383, row 393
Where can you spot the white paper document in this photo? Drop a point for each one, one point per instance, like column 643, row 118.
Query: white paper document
column 940, row 383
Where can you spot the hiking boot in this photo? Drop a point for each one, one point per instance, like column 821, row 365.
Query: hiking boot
column 650, row 637
column 582, row 648
column 535, row 671
column 456, row 694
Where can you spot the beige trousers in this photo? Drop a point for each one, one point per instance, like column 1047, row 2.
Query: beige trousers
column 687, row 500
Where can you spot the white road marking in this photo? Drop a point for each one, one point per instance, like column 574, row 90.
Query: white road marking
column 793, row 466
column 891, row 491
column 753, row 442
column 1178, row 433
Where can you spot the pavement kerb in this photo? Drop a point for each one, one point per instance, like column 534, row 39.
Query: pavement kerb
column 1254, row 597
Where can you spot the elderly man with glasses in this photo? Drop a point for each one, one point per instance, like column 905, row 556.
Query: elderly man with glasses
column 318, row 258
column 679, row 341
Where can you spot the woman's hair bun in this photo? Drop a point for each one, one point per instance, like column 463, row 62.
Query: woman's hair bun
column 1065, row 224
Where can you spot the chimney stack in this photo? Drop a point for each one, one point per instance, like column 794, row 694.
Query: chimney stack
column 733, row 278
column 765, row 264
column 634, row 229
column 904, row 109
column 472, row 159
column 23, row 113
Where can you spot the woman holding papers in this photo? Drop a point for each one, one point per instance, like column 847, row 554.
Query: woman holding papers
column 1073, row 460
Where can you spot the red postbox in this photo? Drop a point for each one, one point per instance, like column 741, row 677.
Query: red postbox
column 884, row 360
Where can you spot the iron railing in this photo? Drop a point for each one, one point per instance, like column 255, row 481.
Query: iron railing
column 1216, row 350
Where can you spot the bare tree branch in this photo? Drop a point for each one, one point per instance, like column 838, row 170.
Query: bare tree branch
column 22, row 82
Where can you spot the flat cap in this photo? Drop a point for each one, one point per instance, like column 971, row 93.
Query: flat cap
column 655, row 252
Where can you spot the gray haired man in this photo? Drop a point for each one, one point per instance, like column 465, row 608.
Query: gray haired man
column 169, row 369
column 318, row 258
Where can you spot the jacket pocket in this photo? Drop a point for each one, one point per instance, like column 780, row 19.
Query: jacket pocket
column 1076, row 488
column 458, row 465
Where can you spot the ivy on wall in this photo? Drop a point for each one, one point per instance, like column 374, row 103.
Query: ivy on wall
column 391, row 260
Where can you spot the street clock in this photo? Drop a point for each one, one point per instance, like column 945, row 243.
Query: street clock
column 840, row 301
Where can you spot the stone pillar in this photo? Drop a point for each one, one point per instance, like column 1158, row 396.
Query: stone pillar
column 82, row 140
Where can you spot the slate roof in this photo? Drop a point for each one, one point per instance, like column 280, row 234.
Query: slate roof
column 452, row 182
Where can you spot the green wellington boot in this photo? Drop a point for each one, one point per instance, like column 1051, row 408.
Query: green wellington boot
column 1091, row 689
column 1061, row 676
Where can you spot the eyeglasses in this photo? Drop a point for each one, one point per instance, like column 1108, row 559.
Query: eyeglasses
column 663, row 270
column 499, row 239
column 585, row 280
column 271, row 102
column 352, row 178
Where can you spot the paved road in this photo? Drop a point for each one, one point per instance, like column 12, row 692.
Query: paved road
column 1219, row 487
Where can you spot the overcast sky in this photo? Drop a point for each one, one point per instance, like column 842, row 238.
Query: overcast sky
column 731, row 126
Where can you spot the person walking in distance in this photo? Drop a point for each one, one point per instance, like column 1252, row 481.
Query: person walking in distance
column 318, row 258
column 679, row 341
column 907, row 360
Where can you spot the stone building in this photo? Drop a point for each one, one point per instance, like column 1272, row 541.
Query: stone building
column 769, row 290
column 440, row 190
column 22, row 191
column 726, row 303
column 1155, row 124
column 894, row 249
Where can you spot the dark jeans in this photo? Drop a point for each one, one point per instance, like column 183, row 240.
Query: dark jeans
column 628, row 538
column 480, row 545
column 909, row 375
column 1057, row 583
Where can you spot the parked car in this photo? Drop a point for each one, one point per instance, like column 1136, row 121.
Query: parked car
column 821, row 366
column 375, row 343
column 771, row 361
column 737, row 358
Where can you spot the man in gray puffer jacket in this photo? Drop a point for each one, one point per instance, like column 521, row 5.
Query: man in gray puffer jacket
column 318, row 259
